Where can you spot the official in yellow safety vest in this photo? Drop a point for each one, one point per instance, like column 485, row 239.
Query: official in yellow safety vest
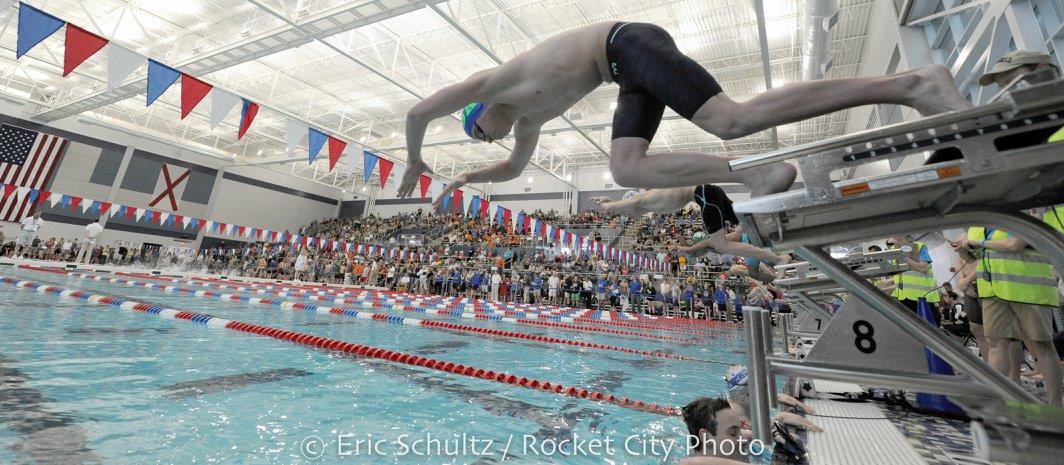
column 919, row 281
column 1018, row 292
column 1055, row 217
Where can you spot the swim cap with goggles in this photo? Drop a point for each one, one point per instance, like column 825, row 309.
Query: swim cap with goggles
column 736, row 378
column 470, row 114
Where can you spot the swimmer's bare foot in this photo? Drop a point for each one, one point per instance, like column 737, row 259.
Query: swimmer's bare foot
column 935, row 91
column 770, row 179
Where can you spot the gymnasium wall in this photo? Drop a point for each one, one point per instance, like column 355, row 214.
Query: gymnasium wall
column 111, row 164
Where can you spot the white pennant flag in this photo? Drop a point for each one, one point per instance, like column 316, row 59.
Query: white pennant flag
column 185, row 221
column 222, row 102
column 396, row 178
column 352, row 162
column 86, row 204
column 22, row 191
column 113, row 209
column 54, row 199
column 164, row 217
column 121, row 62
column 296, row 132
column 138, row 213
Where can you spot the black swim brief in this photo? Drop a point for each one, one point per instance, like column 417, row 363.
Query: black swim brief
column 716, row 208
column 653, row 74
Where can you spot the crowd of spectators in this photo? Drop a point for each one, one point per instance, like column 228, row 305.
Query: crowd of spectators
column 471, row 258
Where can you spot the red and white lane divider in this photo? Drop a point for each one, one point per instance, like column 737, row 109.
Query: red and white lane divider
column 448, row 312
column 345, row 347
column 289, row 305
column 370, row 297
column 333, row 290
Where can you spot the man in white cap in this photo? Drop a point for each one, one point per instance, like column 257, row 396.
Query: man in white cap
column 1015, row 64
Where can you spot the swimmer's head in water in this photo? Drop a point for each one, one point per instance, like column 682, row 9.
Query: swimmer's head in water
column 470, row 114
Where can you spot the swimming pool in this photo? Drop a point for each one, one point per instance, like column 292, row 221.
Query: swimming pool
column 95, row 383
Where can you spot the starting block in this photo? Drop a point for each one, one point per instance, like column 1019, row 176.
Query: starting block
column 985, row 166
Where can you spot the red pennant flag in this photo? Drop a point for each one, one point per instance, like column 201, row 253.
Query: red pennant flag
column 43, row 196
column 484, row 208
column 74, row 202
column 247, row 115
column 336, row 148
column 200, row 223
column 155, row 217
column 105, row 207
column 385, row 167
column 457, row 202
column 240, row 231
column 425, row 181
column 178, row 219
column 192, row 91
column 10, row 188
column 80, row 45
column 130, row 213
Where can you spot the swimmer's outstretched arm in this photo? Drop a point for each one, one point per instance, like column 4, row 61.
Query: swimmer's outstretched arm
column 719, row 243
column 651, row 201
column 442, row 103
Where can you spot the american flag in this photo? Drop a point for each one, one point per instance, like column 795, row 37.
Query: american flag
column 27, row 159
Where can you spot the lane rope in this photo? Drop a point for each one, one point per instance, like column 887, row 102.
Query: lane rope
column 665, row 323
column 371, row 299
column 363, row 315
column 345, row 347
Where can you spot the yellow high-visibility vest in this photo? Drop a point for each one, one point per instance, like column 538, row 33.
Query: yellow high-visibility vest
column 912, row 284
column 1025, row 277
column 1055, row 217
column 1057, row 136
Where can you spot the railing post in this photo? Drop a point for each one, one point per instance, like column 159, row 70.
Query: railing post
column 758, row 385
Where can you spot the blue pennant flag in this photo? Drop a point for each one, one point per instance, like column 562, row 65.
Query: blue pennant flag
column 95, row 207
column 317, row 141
column 34, row 26
column 160, row 78
column 33, row 195
column 474, row 205
column 369, row 161
column 445, row 206
column 499, row 215
column 65, row 201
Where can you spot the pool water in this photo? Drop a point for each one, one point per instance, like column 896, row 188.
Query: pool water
column 84, row 383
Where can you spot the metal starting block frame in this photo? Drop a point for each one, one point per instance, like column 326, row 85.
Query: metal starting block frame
column 995, row 163
column 809, row 288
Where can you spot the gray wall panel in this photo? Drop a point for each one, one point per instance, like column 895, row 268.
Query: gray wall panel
column 142, row 174
column 106, row 168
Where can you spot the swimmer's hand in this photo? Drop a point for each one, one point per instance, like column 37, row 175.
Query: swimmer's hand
column 458, row 181
column 790, row 419
column 411, row 178
column 602, row 201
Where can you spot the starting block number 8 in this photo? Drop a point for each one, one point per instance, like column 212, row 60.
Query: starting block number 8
column 864, row 332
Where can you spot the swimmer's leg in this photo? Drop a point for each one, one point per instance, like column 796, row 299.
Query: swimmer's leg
column 632, row 167
column 722, row 245
column 930, row 90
